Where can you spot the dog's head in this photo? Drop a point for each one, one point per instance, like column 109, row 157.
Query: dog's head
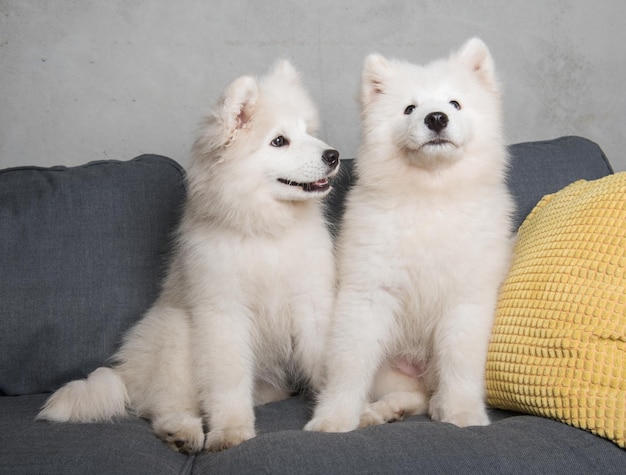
column 261, row 133
column 432, row 113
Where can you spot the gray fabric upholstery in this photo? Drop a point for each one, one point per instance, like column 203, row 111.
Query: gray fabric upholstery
column 539, row 168
column 82, row 256
column 126, row 446
column 513, row 443
column 82, row 252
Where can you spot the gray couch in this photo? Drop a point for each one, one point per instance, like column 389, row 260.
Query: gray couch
column 82, row 251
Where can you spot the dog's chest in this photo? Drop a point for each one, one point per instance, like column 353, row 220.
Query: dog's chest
column 425, row 253
column 432, row 238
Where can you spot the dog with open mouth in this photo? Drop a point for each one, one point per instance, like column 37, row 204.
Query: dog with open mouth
column 237, row 323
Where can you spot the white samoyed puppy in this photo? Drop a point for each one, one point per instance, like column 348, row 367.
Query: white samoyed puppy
column 245, row 306
column 423, row 248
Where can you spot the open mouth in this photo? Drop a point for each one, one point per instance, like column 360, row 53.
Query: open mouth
column 316, row 186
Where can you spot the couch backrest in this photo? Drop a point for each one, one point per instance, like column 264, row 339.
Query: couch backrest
column 541, row 168
column 82, row 252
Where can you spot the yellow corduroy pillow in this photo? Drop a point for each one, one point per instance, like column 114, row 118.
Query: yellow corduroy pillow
column 558, row 347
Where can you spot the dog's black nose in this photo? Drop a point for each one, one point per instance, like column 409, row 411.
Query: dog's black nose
column 330, row 157
column 436, row 121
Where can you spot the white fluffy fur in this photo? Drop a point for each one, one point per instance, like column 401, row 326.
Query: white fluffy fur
column 423, row 248
column 244, row 309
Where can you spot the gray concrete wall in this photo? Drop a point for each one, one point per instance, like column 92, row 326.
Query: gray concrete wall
column 87, row 80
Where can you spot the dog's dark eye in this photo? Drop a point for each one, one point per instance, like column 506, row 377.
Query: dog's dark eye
column 456, row 105
column 409, row 109
column 279, row 141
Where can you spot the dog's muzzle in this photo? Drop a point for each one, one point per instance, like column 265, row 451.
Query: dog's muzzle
column 331, row 158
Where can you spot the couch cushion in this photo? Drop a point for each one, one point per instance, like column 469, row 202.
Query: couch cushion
column 513, row 443
column 543, row 167
column 82, row 254
column 558, row 347
column 127, row 446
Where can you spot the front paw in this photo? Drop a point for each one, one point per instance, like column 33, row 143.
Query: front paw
column 464, row 419
column 380, row 412
column 222, row 439
column 461, row 415
column 180, row 431
column 339, row 423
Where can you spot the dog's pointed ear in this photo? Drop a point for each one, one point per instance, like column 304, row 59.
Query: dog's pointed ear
column 376, row 71
column 231, row 113
column 476, row 56
column 285, row 81
column 237, row 105
column 283, row 70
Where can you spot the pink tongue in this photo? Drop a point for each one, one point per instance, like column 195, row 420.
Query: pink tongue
column 318, row 185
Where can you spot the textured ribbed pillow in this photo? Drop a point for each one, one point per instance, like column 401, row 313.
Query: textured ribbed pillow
column 558, row 346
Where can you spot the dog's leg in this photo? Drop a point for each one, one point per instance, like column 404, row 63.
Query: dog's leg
column 224, row 363
column 461, row 342
column 182, row 431
column 311, row 318
column 155, row 362
column 394, row 407
column 174, row 408
column 173, row 401
column 362, row 323
column 396, row 395
column 311, row 300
